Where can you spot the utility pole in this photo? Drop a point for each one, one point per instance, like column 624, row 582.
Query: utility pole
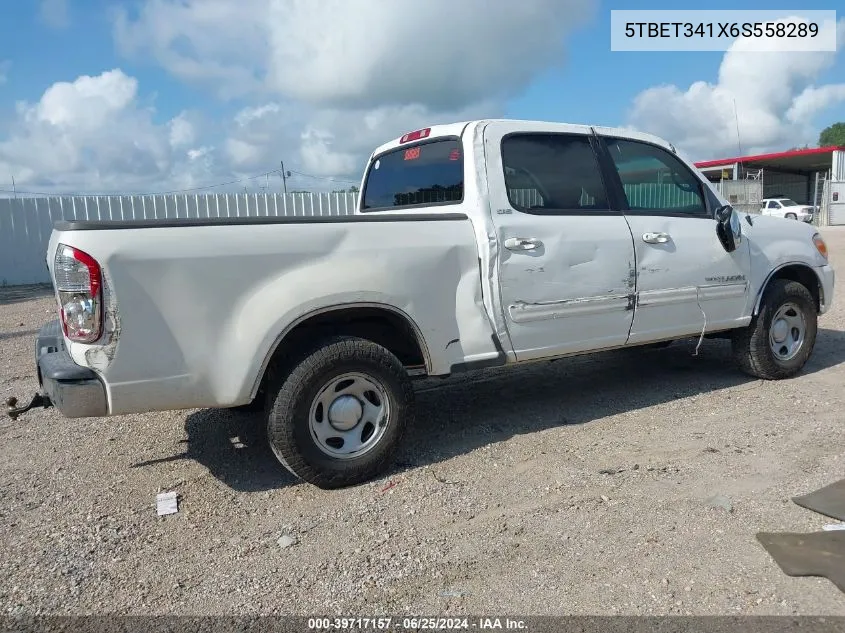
column 14, row 189
column 284, row 176
column 736, row 118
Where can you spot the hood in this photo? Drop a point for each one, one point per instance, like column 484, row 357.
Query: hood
column 763, row 226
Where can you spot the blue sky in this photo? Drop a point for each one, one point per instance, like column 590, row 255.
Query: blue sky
column 44, row 43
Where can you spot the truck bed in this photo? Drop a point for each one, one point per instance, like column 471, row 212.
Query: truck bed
column 194, row 307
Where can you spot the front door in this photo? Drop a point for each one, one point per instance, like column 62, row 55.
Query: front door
column 686, row 281
column 565, row 260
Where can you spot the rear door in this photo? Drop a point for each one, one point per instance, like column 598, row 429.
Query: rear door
column 686, row 281
column 565, row 258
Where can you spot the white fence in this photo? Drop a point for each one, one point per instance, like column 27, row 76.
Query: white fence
column 26, row 223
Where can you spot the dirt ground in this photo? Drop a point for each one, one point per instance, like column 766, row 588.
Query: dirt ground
column 621, row 483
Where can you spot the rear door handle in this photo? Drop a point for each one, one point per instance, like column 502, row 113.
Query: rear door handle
column 522, row 243
column 656, row 238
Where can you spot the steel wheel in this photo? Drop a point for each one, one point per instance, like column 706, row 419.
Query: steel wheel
column 787, row 332
column 780, row 338
column 349, row 415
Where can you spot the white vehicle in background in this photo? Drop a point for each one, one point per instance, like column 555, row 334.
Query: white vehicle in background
column 787, row 208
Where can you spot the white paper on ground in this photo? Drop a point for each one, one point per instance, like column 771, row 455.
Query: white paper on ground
column 834, row 526
column 166, row 503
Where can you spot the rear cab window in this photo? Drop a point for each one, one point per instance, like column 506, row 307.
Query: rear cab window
column 424, row 174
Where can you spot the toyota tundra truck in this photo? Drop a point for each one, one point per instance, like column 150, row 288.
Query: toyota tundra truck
column 474, row 245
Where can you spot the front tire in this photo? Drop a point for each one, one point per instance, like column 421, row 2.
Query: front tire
column 791, row 216
column 339, row 416
column 779, row 340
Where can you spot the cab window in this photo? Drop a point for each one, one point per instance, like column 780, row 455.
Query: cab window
column 551, row 174
column 655, row 180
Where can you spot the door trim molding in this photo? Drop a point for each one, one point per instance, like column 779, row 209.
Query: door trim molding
column 523, row 312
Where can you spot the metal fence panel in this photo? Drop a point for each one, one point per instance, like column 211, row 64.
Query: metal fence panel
column 26, row 222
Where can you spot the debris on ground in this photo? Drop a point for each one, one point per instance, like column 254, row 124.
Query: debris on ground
column 453, row 593
column 611, row 471
column 390, row 485
column 721, row 501
column 445, row 481
column 167, row 503
column 286, row 540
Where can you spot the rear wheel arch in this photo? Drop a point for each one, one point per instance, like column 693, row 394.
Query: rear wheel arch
column 385, row 325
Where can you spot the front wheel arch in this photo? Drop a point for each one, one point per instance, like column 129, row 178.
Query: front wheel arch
column 793, row 271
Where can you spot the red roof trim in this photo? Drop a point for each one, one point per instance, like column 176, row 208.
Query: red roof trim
column 776, row 155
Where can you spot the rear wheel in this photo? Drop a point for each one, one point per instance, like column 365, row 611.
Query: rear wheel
column 779, row 340
column 338, row 417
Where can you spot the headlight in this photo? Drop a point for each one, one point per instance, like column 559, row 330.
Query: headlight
column 821, row 247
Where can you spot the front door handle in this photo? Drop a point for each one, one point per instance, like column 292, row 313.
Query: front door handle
column 522, row 243
column 656, row 238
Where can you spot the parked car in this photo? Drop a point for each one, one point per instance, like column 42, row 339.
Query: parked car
column 787, row 208
column 474, row 245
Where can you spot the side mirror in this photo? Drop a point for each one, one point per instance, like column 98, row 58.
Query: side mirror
column 728, row 228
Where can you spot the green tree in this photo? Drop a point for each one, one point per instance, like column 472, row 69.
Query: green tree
column 833, row 135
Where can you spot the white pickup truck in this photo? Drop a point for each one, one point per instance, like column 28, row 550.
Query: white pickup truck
column 474, row 245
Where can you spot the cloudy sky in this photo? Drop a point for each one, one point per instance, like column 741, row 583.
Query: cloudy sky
column 163, row 95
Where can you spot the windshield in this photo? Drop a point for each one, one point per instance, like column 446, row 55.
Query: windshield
column 423, row 174
column 788, row 203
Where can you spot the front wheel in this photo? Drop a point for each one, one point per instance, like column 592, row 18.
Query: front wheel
column 791, row 216
column 337, row 419
column 779, row 340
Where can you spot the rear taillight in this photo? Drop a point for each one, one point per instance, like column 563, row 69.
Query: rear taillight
column 79, row 284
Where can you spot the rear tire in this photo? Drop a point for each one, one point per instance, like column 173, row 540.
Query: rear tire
column 339, row 416
column 779, row 340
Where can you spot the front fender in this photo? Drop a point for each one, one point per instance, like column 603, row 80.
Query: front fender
column 776, row 244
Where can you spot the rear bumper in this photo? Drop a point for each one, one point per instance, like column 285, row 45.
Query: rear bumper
column 75, row 391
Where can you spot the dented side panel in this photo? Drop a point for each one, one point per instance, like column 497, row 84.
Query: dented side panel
column 576, row 291
column 689, row 283
column 193, row 312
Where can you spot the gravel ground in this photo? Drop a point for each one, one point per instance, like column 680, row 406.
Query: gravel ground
column 584, row 486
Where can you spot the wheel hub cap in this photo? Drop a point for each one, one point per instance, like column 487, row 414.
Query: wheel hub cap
column 780, row 330
column 349, row 415
column 345, row 413
column 787, row 332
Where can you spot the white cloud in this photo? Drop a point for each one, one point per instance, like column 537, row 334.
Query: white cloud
column 323, row 84
column 359, row 53
column 93, row 134
column 772, row 95
column 213, row 42
column 182, row 131
column 55, row 13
